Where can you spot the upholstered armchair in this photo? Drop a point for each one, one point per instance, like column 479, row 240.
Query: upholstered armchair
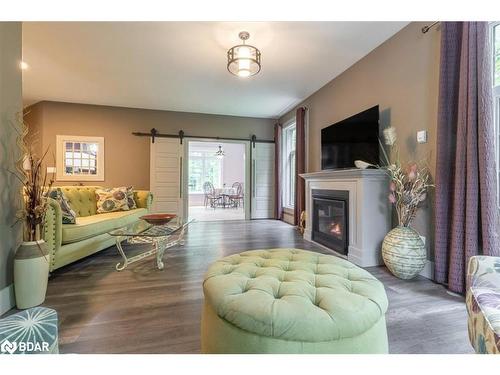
column 483, row 303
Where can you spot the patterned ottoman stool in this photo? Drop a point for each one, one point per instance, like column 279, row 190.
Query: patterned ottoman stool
column 31, row 331
column 292, row 301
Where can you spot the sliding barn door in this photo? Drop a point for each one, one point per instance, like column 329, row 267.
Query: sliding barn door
column 166, row 176
column 262, row 194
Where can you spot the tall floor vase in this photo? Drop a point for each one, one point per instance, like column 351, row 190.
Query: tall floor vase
column 31, row 274
column 403, row 252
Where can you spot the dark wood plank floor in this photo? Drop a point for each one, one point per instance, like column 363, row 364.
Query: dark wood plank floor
column 143, row 310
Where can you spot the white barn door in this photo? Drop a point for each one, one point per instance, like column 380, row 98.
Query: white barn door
column 262, row 195
column 166, row 176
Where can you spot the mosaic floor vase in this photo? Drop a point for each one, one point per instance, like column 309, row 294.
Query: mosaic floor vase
column 404, row 252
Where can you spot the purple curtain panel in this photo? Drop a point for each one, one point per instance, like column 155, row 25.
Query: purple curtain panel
column 466, row 213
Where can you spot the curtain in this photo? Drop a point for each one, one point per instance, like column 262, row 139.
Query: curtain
column 278, row 181
column 300, row 163
column 466, row 214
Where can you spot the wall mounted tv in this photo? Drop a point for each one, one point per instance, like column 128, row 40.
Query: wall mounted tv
column 355, row 138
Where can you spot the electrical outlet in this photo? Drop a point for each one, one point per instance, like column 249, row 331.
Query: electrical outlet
column 422, row 136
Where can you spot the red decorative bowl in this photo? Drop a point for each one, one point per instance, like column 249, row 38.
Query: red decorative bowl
column 158, row 219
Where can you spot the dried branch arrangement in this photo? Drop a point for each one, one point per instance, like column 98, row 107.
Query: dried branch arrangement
column 408, row 186
column 35, row 186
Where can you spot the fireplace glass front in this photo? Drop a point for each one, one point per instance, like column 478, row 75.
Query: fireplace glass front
column 330, row 219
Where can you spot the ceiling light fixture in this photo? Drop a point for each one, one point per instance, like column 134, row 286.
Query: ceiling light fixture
column 243, row 60
column 23, row 65
column 220, row 153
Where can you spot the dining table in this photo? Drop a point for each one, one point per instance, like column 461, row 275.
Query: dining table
column 225, row 193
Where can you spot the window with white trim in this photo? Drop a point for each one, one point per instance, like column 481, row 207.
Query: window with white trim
column 288, row 165
column 79, row 158
column 204, row 166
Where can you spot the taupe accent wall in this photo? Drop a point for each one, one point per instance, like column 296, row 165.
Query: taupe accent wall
column 10, row 107
column 127, row 156
column 401, row 76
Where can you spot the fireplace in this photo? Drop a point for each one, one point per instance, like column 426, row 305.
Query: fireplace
column 330, row 220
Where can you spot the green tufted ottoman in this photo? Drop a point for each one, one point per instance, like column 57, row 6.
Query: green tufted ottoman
column 292, row 301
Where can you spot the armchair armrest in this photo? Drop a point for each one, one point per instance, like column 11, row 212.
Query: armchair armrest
column 483, row 268
column 53, row 229
column 143, row 199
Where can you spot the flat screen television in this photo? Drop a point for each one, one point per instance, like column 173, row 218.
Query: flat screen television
column 355, row 138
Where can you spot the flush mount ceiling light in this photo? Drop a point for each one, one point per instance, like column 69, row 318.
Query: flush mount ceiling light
column 220, row 153
column 243, row 60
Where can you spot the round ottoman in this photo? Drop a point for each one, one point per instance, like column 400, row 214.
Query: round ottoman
column 292, row 301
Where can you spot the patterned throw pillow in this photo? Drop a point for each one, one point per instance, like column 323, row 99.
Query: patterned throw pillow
column 68, row 215
column 111, row 200
column 130, row 198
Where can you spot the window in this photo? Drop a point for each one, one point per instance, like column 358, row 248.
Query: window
column 80, row 158
column 204, row 166
column 288, row 163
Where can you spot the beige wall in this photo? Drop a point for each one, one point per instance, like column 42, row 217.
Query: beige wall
column 10, row 107
column 127, row 156
column 401, row 76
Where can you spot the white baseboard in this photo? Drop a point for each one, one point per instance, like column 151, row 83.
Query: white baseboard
column 428, row 271
column 7, row 299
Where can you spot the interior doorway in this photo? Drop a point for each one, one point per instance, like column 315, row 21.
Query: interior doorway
column 216, row 180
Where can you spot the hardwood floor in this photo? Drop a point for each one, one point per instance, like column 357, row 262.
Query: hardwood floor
column 201, row 213
column 143, row 310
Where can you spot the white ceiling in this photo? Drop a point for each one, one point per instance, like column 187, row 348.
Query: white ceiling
column 181, row 66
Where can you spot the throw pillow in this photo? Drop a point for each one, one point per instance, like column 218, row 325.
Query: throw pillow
column 130, row 198
column 68, row 214
column 111, row 200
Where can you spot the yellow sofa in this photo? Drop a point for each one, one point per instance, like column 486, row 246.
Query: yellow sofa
column 70, row 242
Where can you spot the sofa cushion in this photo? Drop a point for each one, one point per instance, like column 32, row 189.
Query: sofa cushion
column 132, row 204
column 68, row 214
column 90, row 226
column 112, row 199
column 81, row 199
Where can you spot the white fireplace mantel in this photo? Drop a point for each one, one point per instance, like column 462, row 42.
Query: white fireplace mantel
column 369, row 209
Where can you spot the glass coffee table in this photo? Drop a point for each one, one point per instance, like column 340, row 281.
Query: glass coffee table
column 161, row 237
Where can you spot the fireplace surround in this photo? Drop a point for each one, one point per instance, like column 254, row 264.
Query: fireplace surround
column 367, row 219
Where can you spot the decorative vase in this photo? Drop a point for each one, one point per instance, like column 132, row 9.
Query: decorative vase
column 31, row 273
column 404, row 252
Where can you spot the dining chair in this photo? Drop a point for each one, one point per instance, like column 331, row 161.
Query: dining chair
column 237, row 197
column 210, row 195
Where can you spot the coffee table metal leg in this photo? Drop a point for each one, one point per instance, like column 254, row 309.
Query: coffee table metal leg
column 160, row 250
column 120, row 267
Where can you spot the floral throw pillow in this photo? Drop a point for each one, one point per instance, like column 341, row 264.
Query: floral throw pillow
column 68, row 214
column 130, row 198
column 111, row 200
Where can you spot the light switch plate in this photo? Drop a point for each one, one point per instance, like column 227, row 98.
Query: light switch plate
column 422, row 136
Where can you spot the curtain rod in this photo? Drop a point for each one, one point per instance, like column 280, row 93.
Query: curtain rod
column 428, row 27
column 155, row 134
